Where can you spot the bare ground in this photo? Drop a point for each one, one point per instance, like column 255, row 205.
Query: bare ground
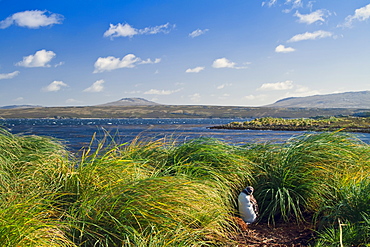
column 280, row 235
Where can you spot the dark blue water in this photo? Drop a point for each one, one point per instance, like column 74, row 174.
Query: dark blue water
column 78, row 133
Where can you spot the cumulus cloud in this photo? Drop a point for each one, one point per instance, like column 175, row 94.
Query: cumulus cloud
column 126, row 30
column 225, row 63
column 32, row 19
column 285, row 85
column 9, row 75
column 361, row 14
column 96, row 87
column 283, row 49
column 161, row 92
column 313, row 17
column 111, row 63
column 195, row 70
column 39, row 59
column 311, row 36
column 54, row 86
column 198, row 32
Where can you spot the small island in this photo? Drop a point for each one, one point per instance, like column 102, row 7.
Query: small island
column 348, row 124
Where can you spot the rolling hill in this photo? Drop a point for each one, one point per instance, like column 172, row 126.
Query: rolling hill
column 359, row 100
column 347, row 104
column 130, row 102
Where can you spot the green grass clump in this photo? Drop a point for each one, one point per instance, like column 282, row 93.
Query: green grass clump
column 168, row 193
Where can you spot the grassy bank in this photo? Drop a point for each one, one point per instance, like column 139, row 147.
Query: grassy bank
column 163, row 193
column 349, row 124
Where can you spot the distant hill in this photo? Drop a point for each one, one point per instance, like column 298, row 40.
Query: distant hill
column 359, row 100
column 141, row 108
column 130, row 102
column 19, row 106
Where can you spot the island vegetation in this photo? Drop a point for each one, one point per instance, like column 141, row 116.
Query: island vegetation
column 165, row 193
column 349, row 124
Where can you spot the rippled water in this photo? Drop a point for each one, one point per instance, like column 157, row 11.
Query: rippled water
column 77, row 133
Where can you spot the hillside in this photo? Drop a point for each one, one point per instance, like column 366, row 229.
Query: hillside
column 19, row 106
column 172, row 111
column 352, row 103
column 130, row 102
column 339, row 100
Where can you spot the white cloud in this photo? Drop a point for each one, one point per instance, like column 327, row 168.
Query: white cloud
column 96, row 87
column 58, row 64
column 225, row 63
column 295, row 4
column 224, row 85
column 120, row 30
column 285, row 85
column 361, row 14
column 54, row 86
column 198, row 32
column 311, row 36
column 126, row 30
column 195, row 70
column 9, row 75
column 195, row 97
column 19, row 99
column 149, row 61
column 40, row 59
column 161, row 92
column 111, row 63
column 166, row 28
column 32, row 19
column 283, row 49
column 269, row 3
column 313, row 17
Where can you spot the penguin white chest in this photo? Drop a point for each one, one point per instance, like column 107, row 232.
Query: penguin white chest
column 246, row 208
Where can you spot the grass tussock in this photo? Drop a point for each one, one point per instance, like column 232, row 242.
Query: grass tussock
column 165, row 193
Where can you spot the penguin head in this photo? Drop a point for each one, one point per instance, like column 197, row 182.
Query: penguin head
column 249, row 190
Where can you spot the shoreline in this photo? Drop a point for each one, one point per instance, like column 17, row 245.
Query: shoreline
column 279, row 128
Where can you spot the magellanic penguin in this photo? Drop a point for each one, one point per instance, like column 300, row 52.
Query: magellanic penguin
column 248, row 207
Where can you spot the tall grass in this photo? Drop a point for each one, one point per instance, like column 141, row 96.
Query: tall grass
column 168, row 193
column 27, row 216
column 301, row 174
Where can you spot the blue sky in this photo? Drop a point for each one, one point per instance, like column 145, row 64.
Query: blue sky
column 204, row 52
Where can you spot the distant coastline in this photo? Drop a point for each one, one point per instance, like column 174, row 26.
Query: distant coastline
column 176, row 111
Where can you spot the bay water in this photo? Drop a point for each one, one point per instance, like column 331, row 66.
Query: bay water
column 77, row 133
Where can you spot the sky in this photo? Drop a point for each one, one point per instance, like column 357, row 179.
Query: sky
column 193, row 52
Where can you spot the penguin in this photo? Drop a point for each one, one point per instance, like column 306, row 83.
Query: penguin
column 248, row 207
